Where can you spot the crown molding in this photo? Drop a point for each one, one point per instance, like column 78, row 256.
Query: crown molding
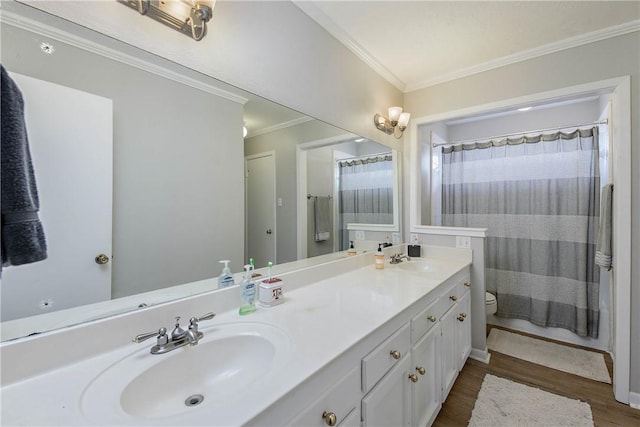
column 605, row 33
column 16, row 20
column 279, row 126
column 336, row 31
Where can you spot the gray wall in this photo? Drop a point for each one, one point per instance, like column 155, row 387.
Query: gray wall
column 177, row 160
column 270, row 48
column 284, row 142
column 614, row 57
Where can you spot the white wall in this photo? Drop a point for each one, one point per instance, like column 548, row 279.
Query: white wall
column 614, row 57
column 173, row 147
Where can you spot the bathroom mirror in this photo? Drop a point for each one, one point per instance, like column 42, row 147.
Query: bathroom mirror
column 178, row 163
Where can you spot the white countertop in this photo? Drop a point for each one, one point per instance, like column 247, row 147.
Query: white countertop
column 322, row 320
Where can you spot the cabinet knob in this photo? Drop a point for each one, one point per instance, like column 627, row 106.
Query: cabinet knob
column 329, row 418
column 432, row 318
column 453, row 298
column 463, row 315
column 413, row 378
column 395, row 354
column 421, row 370
column 467, row 284
column 461, row 318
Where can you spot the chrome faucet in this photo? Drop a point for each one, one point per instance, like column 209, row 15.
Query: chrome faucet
column 397, row 258
column 179, row 337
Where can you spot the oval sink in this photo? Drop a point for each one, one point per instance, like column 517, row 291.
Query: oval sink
column 228, row 358
column 421, row 266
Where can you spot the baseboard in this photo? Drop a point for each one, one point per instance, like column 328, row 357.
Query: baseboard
column 480, row 355
column 634, row 400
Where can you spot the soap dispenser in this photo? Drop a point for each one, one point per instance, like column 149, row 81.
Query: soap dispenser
column 352, row 250
column 247, row 292
column 379, row 256
column 226, row 278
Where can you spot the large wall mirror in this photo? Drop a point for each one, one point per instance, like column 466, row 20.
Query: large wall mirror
column 144, row 161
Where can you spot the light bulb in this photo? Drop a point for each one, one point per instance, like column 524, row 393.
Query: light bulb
column 394, row 115
column 403, row 121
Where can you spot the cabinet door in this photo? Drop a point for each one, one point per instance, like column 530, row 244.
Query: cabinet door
column 389, row 402
column 426, row 391
column 448, row 350
column 463, row 330
column 335, row 404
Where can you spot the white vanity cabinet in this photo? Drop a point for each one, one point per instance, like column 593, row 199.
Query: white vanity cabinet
column 398, row 377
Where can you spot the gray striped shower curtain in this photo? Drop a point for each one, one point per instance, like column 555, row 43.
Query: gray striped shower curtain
column 539, row 198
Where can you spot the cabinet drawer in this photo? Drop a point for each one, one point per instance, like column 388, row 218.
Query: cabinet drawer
column 376, row 364
column 340, row 400
column 425, row 320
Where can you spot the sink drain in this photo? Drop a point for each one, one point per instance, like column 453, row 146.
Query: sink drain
column 194, row 400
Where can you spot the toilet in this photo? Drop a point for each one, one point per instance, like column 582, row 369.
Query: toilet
column 491, row 303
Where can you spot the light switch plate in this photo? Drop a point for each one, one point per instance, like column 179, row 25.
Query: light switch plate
column 395, row 238
column 463, row 242
column 415, row 239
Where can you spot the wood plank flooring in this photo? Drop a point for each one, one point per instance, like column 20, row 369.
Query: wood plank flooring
column 456, row 410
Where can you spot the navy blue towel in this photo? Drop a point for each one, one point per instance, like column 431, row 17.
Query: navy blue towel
column 23, row 239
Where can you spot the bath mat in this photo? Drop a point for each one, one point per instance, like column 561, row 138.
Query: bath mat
column 588, row 364
column 506, row 403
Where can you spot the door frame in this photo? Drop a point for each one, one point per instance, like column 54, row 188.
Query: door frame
column 271, row 154
column 620, row 131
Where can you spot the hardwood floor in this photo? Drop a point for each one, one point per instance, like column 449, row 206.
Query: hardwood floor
column 456, row 410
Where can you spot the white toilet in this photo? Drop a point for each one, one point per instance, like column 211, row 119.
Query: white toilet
column 491, row 303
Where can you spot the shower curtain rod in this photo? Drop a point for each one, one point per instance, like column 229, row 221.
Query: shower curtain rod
column 601, row 122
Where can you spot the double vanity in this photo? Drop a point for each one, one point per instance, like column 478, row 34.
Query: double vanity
column 351, row 346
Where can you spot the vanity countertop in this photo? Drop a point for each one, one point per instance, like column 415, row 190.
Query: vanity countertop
column 322, row 321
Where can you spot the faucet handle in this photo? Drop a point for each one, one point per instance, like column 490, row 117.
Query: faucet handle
column 160, row 333
column 207, row 316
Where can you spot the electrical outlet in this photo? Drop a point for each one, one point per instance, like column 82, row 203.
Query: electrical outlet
column 395, row 238
column 463, row 242
column 359, row 234
column 279, row 202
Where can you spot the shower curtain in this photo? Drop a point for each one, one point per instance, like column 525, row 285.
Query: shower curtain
column 539, row 198
column 365, row 193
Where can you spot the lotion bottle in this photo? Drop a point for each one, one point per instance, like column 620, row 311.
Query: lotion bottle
column 379, row 257
column 247, row 293
column 226, row 278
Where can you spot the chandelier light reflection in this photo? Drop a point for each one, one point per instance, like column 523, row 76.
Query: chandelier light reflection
column 187, row 16
column 394, row 125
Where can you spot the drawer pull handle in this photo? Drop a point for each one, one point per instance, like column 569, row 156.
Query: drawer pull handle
column 413, row 378
column 330, row 418
column 395, row 354
column 432, row 318
column 421, row 370
column 453, row 298
column 461, row 318
column 467, row 284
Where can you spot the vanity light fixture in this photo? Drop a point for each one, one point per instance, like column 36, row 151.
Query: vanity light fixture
column 187, row 16
column 397, row 120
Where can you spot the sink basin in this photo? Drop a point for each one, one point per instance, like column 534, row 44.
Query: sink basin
column 229, row 358
column 420, row 266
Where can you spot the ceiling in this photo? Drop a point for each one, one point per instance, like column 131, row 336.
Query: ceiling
column 415, row 44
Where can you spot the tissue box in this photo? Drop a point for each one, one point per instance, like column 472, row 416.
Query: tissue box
column 271, row 292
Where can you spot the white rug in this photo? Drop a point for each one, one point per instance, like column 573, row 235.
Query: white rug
column 506, row 403
column 576, row 361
